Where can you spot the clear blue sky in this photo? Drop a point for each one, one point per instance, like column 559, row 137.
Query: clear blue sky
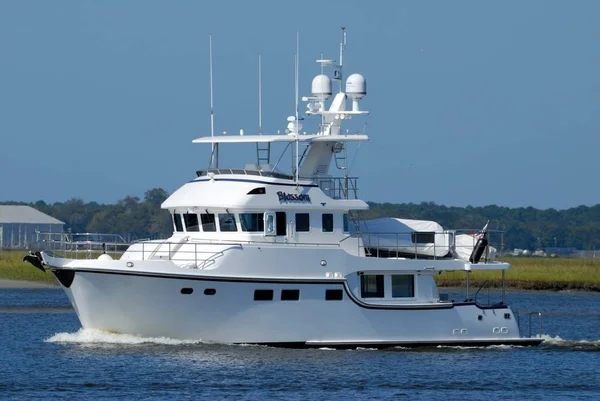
column 472, row 102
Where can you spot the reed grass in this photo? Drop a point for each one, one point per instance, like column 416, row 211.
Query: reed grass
column 536, row 274
column 12, row 267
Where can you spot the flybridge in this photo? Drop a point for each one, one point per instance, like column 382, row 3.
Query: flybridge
column 314, row 152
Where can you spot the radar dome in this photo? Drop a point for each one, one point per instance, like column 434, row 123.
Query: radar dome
column 356, row 86
column 321, row 86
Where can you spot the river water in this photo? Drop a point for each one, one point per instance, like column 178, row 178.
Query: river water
column 44, row 354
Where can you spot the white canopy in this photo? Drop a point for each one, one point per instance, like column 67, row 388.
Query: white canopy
column 406, row 236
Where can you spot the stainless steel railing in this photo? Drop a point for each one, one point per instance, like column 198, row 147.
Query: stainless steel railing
column 338, row 187
column 423, row 245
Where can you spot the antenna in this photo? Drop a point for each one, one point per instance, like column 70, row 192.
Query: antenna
column 210, row 73
column 259, row 96
column 297, row 60
column 342, row 47
column 297, row 73
column 212, row 111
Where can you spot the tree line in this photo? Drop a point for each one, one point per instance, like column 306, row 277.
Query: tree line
column 525, row 228
column 131, row 217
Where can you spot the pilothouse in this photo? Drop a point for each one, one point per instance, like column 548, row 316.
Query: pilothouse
column 262, row 256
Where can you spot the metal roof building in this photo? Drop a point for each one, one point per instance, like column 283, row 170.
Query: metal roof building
column 18, row 226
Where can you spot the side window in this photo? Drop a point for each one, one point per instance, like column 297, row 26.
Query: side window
column 191, row 222
column 346, row 225
column 327, row 222
column 208, row 222
column 177, row 221
column 403, row 286
column 269, row 223
column 371, row 286
column 423, row 237
column 227, row 222
column 302, row 222
column 252, row 222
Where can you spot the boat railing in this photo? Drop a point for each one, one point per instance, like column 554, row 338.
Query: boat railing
column 424, row 245
column 186, row 254
column 334, row 187
column 415, row 245
column 539, row 317
column 337, row 187
column 243, row 171
column 81, row 245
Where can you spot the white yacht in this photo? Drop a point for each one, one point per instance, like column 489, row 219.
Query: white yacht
column 265, row 257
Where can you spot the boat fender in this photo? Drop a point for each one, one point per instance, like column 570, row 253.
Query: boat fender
column 478, row 250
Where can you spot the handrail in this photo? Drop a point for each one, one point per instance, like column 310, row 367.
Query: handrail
column 539, row 315
column 211, row 259
column 442, row 245
column 336, row 187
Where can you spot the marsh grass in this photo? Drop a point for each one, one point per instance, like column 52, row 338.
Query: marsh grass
column 536, row 274
column 12, row 267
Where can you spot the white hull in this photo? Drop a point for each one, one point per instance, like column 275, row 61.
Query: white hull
column 154, row 306
column 247, row 235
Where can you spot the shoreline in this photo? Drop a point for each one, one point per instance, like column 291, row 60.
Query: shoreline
column 6, row 283
column 525, row 285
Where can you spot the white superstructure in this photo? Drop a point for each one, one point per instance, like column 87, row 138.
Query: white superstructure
column 262, row 256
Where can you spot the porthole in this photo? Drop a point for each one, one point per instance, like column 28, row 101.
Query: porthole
column 210, row 291
column 187, row 291
column 334, row 295
column 290, row 295
column 263, row 295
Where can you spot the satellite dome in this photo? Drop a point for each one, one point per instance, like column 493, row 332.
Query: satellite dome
column 356, row 86
column 321, row 86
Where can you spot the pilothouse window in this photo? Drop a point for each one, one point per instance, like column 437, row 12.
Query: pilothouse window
column 191, row 222
column 327, row 222
column 252, row 222
column 302, row 222
column 227, row 222
column 177, row 221
column 208, row 222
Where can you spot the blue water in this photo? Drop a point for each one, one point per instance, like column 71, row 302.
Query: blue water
column 45, row 355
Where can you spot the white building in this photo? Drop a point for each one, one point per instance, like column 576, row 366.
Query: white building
column 18, row 226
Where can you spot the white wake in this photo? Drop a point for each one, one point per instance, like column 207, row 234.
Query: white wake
column 559, row 341
column 91, row 336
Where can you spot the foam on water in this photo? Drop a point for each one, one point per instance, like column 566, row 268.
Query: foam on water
column 499, row 346
column 91, row 336
column 561, row 342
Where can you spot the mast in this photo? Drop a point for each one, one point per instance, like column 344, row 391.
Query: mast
column 297, row 60
column 214, row 154
column 340, row 75
column 259, row 96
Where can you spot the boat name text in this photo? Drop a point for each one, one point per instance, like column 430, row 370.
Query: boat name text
column 285, row 197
